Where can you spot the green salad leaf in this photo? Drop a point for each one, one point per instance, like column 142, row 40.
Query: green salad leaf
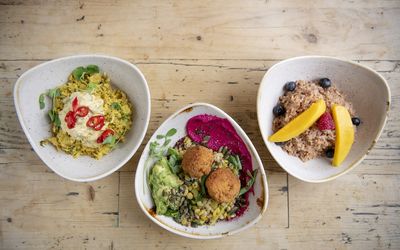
column 80, row 72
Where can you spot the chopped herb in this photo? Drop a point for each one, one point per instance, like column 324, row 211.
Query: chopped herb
column 41, row 101
column 115, row 105
column 159, row 137
column 110, row 140
column 91, row 86
column 250, row 182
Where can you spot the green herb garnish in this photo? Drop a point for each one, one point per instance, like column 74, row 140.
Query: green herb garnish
column 91, row 86
column 53, row 115
column 80, row 72
column 41, row 101
column 90, row 69
column 249, row 183
column 110, row 140
column 115, row 105
column 171, row 132
column 234, row 160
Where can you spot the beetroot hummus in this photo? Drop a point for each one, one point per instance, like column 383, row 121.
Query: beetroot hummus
column 219, row 132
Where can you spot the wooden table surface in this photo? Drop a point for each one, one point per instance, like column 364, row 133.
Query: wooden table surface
column 185, row 49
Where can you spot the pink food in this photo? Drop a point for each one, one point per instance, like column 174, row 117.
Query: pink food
column 219, row 132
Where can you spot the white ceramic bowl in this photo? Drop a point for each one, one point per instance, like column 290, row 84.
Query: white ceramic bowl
column 366, row 89
column 254, row 213
column 35, row 124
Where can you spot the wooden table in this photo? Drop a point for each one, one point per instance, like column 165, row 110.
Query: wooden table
column 186, row 49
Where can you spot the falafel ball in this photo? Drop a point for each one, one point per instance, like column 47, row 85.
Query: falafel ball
column 223, row 185
column 197, row 161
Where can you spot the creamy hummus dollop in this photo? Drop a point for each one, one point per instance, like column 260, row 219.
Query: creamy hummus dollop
column 81, row 132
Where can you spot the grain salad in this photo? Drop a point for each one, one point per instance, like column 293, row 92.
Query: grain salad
column 88, row 116
column 202, row 179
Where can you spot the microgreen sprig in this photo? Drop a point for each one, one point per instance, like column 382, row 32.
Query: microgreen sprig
column 53, row 115
column 157, row 151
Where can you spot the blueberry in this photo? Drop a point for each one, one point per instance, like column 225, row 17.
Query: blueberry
column 330, row 152
column 325, row 83
column 278, row 110
column 290, row 86
column 356, row 121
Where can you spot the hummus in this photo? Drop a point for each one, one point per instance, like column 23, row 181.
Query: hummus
column 85, row 134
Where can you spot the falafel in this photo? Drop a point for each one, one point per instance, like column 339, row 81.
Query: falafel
column 223, row 185
column 197, row 161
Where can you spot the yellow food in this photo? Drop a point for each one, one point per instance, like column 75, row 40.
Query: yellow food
column 301, row 123
column 344, row 133
column 117, row 119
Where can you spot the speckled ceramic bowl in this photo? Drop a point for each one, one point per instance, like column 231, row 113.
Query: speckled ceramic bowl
column 367, row 90
column 257, row 202
column 35, row 124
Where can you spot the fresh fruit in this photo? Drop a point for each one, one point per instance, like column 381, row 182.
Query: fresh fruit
column 330, row 152
column 344, row 133
column 278, row 110
column 356, row 121
column 325, row 83
column 325, row 122
column 301, row 123
column 290, row 86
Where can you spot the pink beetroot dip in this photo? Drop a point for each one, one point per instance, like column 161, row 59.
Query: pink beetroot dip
column 220, row 132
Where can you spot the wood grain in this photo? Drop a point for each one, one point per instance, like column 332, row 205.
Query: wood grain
column 186, row 48
column 200, row 29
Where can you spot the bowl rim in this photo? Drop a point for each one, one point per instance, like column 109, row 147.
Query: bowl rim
column 356, row 162
column 248, row 143
column 73, row 57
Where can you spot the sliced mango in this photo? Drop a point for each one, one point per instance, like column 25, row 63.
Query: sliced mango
column 344, row 133
column 300, row 124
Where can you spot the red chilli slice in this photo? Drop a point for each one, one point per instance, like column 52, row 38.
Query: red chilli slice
column 96, row 122
column 70, row 119
column 104, row 135
column 82, row 111
column 75, row 104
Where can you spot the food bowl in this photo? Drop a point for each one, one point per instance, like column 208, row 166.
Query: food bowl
column 367, row 90
column 257, row 202
column 36, row 126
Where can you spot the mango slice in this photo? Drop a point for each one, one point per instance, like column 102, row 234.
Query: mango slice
column 300, row 124
column 344, row 133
